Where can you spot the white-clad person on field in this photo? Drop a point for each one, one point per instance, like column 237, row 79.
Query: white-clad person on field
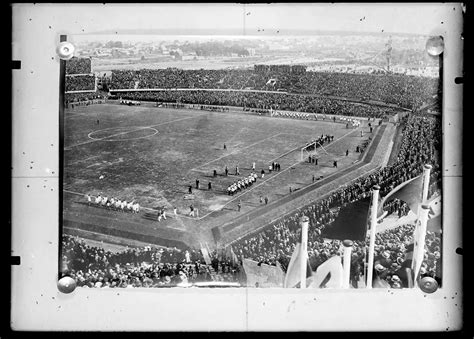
column 136, row 207
column 89, row 200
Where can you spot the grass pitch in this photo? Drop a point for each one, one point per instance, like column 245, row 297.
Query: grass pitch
column 151, row 155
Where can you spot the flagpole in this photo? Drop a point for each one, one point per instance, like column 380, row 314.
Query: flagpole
column 347, row 263
column 426, row 183
column 419, row 234
column 373, row 224
column 420, row 242
column 304, row 250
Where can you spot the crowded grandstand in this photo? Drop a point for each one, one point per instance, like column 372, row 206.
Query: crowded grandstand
column 284, row 92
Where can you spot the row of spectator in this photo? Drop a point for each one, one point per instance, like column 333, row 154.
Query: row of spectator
column 80, row 83
column 72, row 100
column 151, row 267
column 402, row 90
column 262, row 100
column 278, row 240
column 147, row 266
column 79, row 66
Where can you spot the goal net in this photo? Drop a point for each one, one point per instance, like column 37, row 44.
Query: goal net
column 311, row 149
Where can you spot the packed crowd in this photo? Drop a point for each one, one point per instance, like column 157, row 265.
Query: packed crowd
column 262, row 100
column 79, row 66
column 80, row 83
column 259, row 111
column 147, row 266
column 402, row 90
column 192, row 106
column 113, row 203
column 212, row 108
column 72, row 100
column 420, row 145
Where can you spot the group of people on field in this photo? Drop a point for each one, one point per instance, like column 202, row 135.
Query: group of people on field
column 113, row 203
column 242, row 184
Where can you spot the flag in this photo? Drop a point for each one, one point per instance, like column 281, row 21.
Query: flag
column 408, row 191
column 380, row 283
column 271, row 82
column 328, row 275
column 434, row 215
column 292, row 277
column 409, row 252
column 206, row 256
column 230, row 255
column 263, row 275
column 351, row 223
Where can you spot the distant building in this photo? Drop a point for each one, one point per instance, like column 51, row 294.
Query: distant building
column 188, row 57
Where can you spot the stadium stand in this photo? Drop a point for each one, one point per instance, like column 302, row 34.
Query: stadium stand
column 80, row 83
column 402, row 90
column 146, row 267
column 78, row 66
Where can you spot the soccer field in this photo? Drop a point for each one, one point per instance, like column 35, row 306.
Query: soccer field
column 151, row 155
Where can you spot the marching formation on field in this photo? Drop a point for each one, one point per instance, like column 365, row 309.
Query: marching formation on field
column 114, row 203
column 242, row 184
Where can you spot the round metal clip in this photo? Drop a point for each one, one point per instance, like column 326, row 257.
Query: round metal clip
column 66, row 285
column 428, row 285
column 65, row 50
column 435, row 45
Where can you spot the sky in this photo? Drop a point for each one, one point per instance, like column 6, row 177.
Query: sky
column 422, row 18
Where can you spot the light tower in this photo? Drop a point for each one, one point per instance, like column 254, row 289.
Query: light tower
column 388, row 52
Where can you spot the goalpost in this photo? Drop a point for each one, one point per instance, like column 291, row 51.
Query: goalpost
column 311, row 149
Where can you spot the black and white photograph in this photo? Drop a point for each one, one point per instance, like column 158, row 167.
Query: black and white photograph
column 256, row 147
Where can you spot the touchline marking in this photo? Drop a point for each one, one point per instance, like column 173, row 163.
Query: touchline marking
column 236, row 151
column 147, row 208
column 132, row 222
column 121, row 133
column 75, row 115
column 92, row 196
column 89, row 158
column 265, row 181
column 246, row 191
column 236, row 134
column 136, row 138
column 298, row 148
